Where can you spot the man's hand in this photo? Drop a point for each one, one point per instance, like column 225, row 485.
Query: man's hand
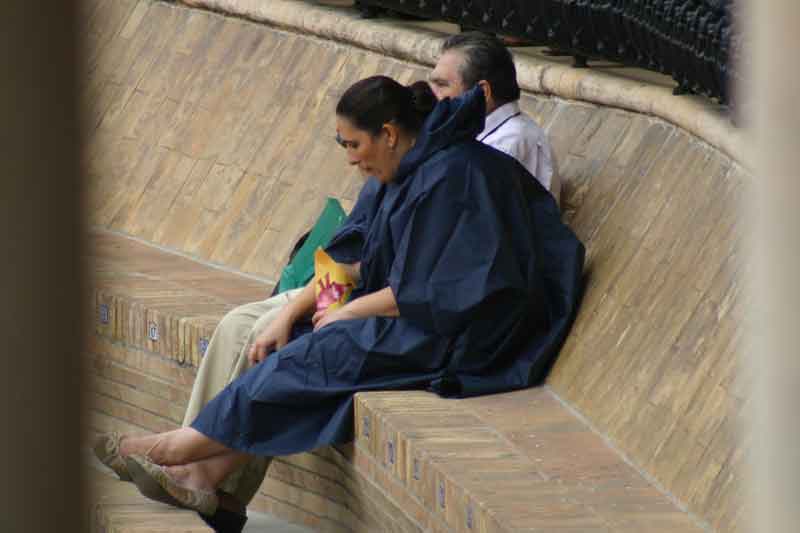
column 274, row 337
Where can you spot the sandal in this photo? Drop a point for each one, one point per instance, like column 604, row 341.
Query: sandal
column 106, row 449
column 154, row 483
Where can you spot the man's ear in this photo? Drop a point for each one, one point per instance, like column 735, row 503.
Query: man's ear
column 488, row 95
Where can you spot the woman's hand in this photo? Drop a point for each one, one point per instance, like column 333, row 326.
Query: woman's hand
column 274, row 337
column 325, row 317
column 380, row 303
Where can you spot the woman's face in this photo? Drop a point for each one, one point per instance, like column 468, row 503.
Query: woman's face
column 374, row 155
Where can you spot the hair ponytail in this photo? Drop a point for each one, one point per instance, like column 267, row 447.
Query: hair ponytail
column 373, row 102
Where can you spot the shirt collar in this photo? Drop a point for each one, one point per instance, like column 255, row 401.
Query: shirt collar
column 496, row 117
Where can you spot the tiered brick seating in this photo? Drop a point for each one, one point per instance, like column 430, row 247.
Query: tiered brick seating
column 212, row 149
column 119, row 508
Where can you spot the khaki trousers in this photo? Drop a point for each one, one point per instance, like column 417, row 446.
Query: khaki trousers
column 224, row 361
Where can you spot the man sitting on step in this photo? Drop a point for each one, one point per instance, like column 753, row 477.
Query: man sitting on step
column 474, row 58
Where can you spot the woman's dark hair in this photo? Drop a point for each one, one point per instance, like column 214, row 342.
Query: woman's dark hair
column 373, row 102
column 486, row 58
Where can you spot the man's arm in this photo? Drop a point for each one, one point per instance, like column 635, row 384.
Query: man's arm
column 276, row 334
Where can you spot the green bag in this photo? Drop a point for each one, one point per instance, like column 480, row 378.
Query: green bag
column 300, row 269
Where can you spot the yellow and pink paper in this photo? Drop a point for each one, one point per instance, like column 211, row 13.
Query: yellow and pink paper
column 332, row 283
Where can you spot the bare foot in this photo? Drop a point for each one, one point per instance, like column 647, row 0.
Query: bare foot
column 192, row 476
column 127, row 445
column 130, row 445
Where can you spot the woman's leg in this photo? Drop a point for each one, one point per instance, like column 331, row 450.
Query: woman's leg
column 178, row 447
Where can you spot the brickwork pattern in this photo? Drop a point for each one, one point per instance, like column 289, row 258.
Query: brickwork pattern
column 511, row 462
column 653, row 360
column 119, row 508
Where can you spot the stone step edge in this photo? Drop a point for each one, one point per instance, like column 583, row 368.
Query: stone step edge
column 124, row 319
column 649, row 478
column 104, row 517
column 695, row 114
column 98, row 230
column 431, row 485
column 449, row 501
column 365, row 470
column 99, row 514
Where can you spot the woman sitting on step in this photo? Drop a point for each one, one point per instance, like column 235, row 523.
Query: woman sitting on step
column 468, row 284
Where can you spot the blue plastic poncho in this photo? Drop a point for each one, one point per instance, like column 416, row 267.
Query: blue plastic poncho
column 486, row 278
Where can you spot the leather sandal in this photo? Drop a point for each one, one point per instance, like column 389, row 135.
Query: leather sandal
column 153, row 482
column 106, row 449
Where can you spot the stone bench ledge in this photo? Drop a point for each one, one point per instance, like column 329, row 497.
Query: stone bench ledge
column 508, row 462
column 117, row 507
column 489, row 464
column 160, row 301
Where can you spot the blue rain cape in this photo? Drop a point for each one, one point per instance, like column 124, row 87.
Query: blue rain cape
column 486, row 278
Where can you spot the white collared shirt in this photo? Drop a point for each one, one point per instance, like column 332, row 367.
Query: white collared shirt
column 511, row 131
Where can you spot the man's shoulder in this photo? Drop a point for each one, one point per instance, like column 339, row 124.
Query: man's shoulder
column 516, row 137
column 518, row 130
column 527, row 125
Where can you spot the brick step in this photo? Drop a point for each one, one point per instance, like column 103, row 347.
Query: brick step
column 509, row 462
column 335, row 489
column 161, row 302
column 419, row 463
column 101, row 422
column 169, row 411
column 172, row 384
column 118, row 507
column 130, row 413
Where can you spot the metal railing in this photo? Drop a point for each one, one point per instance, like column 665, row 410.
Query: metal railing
column 691, row 40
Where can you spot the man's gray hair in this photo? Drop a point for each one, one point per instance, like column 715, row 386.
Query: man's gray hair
column 486, row 58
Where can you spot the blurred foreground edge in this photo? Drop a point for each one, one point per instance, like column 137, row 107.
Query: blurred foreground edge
column 41, row 239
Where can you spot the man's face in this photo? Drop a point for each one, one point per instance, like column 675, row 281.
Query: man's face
column 445, row 80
